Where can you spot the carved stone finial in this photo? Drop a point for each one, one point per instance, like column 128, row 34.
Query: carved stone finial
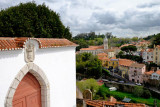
column 29, row 52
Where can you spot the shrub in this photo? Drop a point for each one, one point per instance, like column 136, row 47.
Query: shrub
column 138, row 91
column 146, row 94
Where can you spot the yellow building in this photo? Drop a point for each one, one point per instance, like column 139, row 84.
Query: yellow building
column 123, row 66
column 104, row 58
column 113, row 63
column 156, row 55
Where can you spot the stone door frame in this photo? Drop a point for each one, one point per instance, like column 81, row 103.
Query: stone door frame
column 39, row 75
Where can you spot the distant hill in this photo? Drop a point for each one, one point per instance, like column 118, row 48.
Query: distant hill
column 150, row 37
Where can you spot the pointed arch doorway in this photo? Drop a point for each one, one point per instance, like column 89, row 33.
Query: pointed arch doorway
column 28, row 92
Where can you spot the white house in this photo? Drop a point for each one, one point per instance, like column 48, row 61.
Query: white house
column 155, row 75
column 147, row 55
column 37, row 72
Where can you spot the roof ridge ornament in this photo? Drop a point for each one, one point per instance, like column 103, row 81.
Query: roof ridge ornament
column 29, row 54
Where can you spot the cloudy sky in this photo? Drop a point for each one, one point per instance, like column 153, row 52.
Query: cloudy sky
column 124, row 18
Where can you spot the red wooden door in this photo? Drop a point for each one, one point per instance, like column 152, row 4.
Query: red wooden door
column 28, row 93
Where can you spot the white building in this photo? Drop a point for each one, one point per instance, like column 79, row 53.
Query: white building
column 96, row 49
column 155, row 75
column 37, row 72
column 147, row 55
column 93, row 50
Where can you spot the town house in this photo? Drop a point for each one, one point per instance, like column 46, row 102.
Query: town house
column 136, row 72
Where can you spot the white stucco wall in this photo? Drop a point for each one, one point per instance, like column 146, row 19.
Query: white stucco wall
column 57, row 63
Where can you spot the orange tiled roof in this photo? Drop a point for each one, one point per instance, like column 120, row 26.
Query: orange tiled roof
column 110, row 50
column 103, row 58
column 93, row 48
column 137, row 65
column 114, row 57
column 102, row 54
column 150, row 50
column 158, row 46
column 125, row 62
column 8, row 43
column 149, row 72
column 158, row 72
column 100, row 103
column 126, row 45
column 115, row 48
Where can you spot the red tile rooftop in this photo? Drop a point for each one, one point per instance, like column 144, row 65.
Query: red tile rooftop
column 125, row 62
column 100, row 103
column 8, row 43
column 149, row 72
column 93, row 48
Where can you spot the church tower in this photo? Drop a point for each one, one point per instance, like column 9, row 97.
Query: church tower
column 105, row 43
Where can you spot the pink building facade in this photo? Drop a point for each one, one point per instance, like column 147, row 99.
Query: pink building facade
column 136, row 72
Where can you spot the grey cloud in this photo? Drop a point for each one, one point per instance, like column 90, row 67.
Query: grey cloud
column 131, row 19
column 140, row 20
column 105, row 18
column 148, row 5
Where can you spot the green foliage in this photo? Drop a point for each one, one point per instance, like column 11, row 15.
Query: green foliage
column 120, row 95
column 146, row 94
column 150, row 65
column 106, row 72
column 131, row 57
column 129, row 49
column 32, row 20
column 88, row 84
column 82, row 44
column 88, row 65
column 156, row 40
column 138, row 91
column 149, row 37
column 135, row 39
column 102, row 92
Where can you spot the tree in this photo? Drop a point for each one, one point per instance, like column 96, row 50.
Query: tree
column 82, row 44
column 89, row 65
column 146, row 94
column 135, row 39
column 138, row 91
column 88, row 84
column 32, row 20
column 129, row 49
column 156, row 40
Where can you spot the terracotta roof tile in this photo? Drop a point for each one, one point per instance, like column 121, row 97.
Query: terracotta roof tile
column 158, row 46
column 110, row 50
column 103, row 58
column 137, row 65
column 100, row 103
column 8, row 43
column 149, row 72
column 114, row 57
column 93, row 48
column 125, row 45
column 125, row 62
column 102, row 54
column 158, row 72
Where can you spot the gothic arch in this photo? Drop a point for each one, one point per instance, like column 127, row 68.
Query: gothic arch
column 40, row 76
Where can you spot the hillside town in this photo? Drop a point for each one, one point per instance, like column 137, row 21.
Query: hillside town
column 126, row 71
